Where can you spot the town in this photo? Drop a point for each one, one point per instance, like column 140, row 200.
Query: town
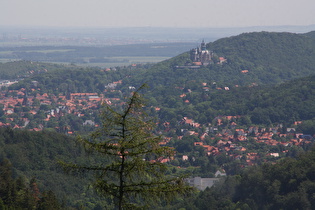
column 78, row 112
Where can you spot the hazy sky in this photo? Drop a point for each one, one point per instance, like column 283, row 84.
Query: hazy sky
column 155, row 13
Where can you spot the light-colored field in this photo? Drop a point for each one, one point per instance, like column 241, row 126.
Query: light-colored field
column 83, row 56
column 40, row 51
column 131, row 60
column 6, row 52
column 50, row 51
column 4, row 60
column 143, row 59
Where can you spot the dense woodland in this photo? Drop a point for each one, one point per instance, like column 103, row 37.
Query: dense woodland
column 31, row 157
column 288, row 184
column 278, row 89
column 22, row 69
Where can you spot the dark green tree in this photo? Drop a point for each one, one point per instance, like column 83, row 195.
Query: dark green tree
column 132, row 171
column 49, row 201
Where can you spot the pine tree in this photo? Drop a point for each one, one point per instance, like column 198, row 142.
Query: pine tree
column 48, row 201
column 132, row 172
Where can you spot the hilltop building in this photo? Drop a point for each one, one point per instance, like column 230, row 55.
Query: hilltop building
column 200, row 55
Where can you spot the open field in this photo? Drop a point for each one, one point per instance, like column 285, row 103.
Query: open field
column 130, row 60
column 105, row 56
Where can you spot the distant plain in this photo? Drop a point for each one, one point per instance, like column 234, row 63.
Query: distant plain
column 108, row 47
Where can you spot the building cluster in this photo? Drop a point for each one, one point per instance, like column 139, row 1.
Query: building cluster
column 230, row 141
column 200, row 55
column 227, row 138
column 32, row 110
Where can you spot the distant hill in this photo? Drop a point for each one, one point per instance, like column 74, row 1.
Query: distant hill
column 270, row 58
column 15, row 70
column 311, row 34
column 25, row 68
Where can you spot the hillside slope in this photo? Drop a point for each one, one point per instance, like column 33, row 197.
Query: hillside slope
column 270, row 58
column 311, row 34
column 287, row 102
column 284, row 103
column 35, row 155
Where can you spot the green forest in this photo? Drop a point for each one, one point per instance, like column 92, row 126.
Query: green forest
column 29, row 158
column 288, row 184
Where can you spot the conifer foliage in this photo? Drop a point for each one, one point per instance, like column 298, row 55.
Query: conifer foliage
column 14, row 193
column 131, row 172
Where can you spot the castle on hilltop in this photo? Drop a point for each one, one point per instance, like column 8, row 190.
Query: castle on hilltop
column 200, row 55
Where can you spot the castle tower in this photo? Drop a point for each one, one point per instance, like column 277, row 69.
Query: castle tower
column 201, row 54
column 194, row 55
column 203, row 46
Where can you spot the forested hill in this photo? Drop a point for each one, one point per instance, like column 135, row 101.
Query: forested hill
column 270, row 58
column 311, row 34
column 285, row 103
column 22, row 69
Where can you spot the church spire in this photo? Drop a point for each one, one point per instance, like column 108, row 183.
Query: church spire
column 203, row 45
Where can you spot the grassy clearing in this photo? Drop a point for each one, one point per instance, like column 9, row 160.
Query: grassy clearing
column 9, row 52
column 6, row 52
column 4, row 60
column 131, row 60
column 143, row 59
column 51, row 51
